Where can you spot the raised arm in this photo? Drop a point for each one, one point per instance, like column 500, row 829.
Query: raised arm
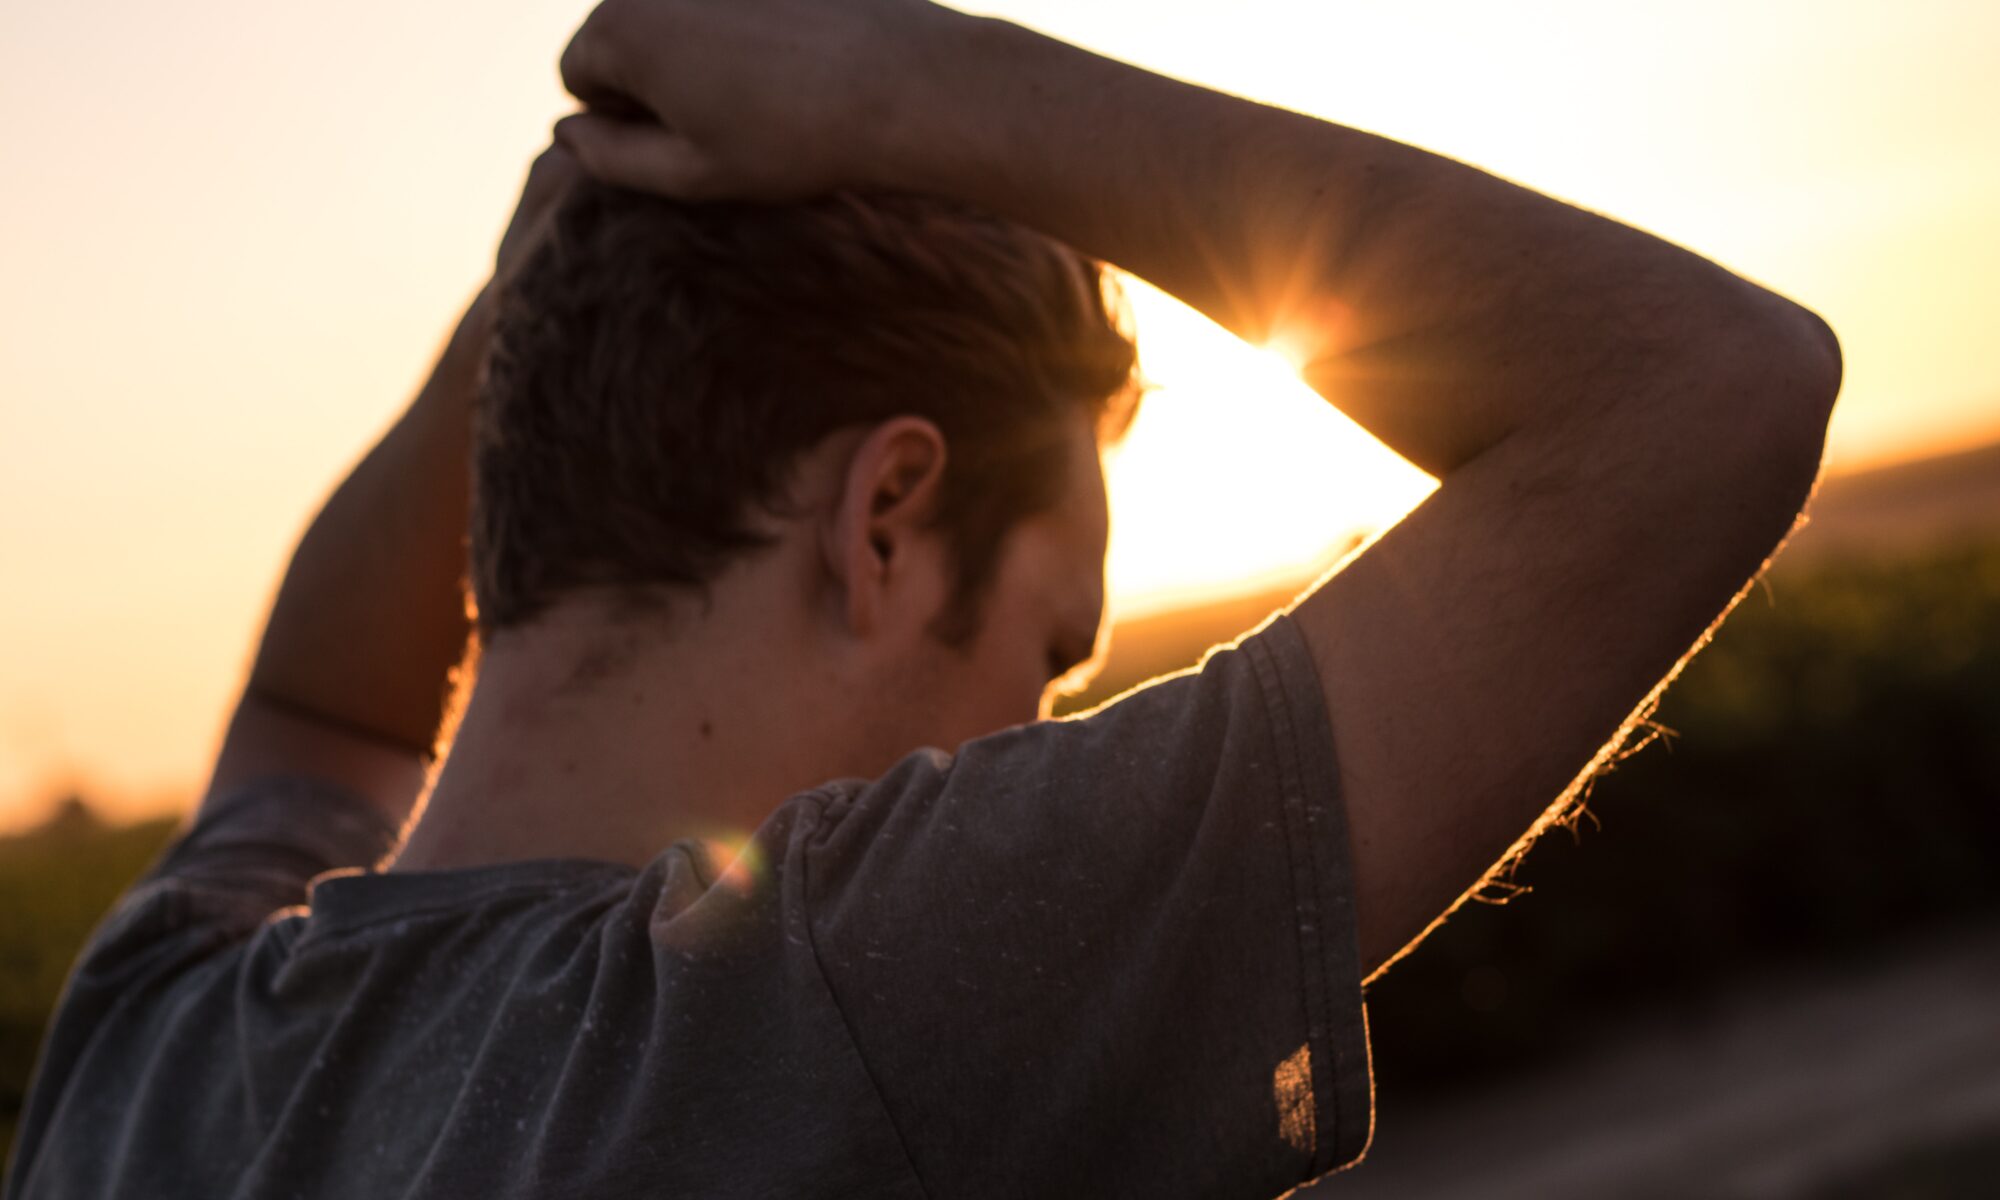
column 350, row 680
column 1624, row 430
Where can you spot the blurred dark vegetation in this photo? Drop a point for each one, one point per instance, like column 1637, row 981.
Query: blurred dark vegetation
column 55, row 883
column 1831, row 791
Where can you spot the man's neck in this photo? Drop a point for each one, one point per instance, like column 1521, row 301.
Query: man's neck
column 588, row 740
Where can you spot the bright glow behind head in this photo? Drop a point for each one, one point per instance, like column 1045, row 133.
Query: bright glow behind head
column 1235, row 470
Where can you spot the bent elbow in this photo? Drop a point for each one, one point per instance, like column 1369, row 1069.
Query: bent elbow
column 1786, row 370
column 1820, row 366
column 1784, row 378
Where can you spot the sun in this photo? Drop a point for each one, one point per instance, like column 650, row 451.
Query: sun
column 1235, row 472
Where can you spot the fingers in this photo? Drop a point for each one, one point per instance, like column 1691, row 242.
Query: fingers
column 549, row 177
column 589, row 63
column 641, row 155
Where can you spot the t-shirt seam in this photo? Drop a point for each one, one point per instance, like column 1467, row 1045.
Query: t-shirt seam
column 1274, row 714
column 457, row 904
column 1350, row 1071
column 1308, row 925
column 820, row 798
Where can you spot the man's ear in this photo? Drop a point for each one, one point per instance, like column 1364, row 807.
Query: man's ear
column 888, row 496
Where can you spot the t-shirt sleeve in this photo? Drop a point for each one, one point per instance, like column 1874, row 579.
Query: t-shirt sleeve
column 1112, row 955
column 250, row 853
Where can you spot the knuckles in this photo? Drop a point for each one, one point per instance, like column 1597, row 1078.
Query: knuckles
column 586, row 63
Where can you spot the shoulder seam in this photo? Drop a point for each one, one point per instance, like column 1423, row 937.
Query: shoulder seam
column 822, row 797
column 1310, row 923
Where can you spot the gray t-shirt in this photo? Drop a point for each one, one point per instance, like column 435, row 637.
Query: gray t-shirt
column 1111, row 956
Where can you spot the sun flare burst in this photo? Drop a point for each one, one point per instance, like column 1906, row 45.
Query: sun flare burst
column 1235, row 472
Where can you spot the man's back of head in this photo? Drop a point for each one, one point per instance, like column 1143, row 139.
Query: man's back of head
column 659, row 367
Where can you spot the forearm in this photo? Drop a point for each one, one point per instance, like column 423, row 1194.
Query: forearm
column 370, row 618
column 1443, row 308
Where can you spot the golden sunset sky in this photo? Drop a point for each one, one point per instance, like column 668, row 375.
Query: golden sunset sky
column 231, row 234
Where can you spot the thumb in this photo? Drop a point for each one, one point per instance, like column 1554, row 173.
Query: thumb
column 639, row 154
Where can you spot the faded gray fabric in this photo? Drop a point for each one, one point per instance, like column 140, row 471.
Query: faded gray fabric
column 1100, row 957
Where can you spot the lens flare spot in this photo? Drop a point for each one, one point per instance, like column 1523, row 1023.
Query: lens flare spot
column 742, row 859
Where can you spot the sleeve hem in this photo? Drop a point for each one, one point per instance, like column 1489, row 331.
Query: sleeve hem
column 265, row 841
column 1322, row 874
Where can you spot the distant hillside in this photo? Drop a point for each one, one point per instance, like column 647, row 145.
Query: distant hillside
column 1887, row 513
column 1904, row 509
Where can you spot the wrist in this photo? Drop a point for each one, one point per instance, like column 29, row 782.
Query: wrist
column 475, row 325
column 920, row 125
column 1003, row 118
column 454, row 376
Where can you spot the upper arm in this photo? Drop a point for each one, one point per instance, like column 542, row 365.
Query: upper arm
column 1481, row 656
column 269, row 739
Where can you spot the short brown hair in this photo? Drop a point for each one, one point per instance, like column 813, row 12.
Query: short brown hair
column 657, row 367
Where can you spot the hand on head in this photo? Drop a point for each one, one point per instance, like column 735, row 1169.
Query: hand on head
column 750, row 100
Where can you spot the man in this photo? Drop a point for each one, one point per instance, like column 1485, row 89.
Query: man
column 1120, row 955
